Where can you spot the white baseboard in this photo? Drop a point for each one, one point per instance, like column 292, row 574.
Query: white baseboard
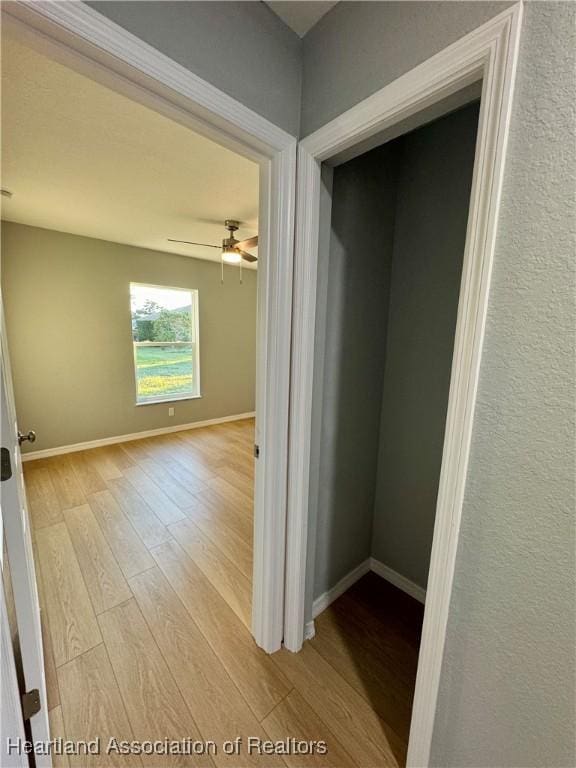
column 412, row 589
column 370, row 564
column 322, row 602
column 47, row 452
column 309, row 630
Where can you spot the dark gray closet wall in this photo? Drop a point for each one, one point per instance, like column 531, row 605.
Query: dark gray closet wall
column 433, row 197
column 353, row 350
column 398, row 229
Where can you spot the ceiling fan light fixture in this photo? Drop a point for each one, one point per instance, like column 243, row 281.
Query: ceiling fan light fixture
column 233, row 251
column 230, row 255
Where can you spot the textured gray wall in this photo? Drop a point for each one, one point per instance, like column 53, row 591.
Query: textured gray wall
column 240, row 47
column 507, row 690
column 359, row 47
column 353, row 352
column 436, row 164
column 507, row 693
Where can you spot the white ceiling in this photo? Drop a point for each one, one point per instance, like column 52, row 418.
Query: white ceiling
column 301, row 15
column 83, row 159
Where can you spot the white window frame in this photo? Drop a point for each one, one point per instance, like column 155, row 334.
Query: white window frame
column 195, row 320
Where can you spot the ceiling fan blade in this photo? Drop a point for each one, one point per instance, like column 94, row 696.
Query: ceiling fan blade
column 247, row 256
column 251, row 242
column 189, row 242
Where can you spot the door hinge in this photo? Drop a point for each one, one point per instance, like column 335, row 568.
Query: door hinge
column 256, row 451
column 30, row 703
column 6, row 465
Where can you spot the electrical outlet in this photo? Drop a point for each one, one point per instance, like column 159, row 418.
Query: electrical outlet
column 170, row 411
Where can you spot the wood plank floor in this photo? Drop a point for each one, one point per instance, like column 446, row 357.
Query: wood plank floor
column 144, row 560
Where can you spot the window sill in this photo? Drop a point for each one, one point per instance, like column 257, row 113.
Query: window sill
column 175, row 399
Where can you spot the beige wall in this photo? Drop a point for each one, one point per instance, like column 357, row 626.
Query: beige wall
column 67, row 308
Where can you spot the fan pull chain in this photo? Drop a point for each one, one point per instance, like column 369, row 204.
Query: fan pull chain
column 222, row 278
column 240, row 271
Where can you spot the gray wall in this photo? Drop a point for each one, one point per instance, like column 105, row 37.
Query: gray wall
column 359, row 47
column 388, row 297
column 507, row 689
column 353, row 352
column 240, row 47
column 507, row 693
column 436, row 164
column 67, row 304
column 327, row 182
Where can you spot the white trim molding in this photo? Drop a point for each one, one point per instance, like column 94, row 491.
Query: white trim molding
column 61, row 449
column 487, row 55
column 395, row 578
column 81, row 38
column 371, row 564
column 326, row 598
column 310, row 630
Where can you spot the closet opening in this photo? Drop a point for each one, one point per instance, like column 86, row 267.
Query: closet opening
column 392, row 239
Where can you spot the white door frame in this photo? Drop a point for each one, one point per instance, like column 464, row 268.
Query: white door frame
column 487, row 54
column 84, row 40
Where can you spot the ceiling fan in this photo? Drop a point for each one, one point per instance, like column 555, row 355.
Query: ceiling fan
column 233, row 251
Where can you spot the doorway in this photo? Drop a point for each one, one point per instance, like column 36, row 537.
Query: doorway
column 389, row 285
column 484, row 59
column 69, row 38
column 82, row 40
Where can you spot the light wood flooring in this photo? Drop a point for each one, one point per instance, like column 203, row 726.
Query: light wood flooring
column 144, row 558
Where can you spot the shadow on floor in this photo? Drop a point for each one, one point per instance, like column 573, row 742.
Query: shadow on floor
column 371, row 635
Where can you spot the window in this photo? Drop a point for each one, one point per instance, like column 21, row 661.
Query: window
column 165, row 336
